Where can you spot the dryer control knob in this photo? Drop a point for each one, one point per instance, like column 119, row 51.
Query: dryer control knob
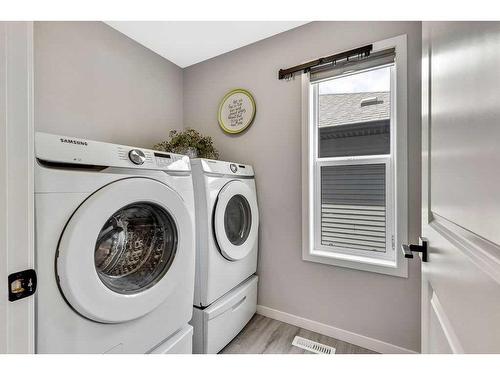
column 137, row 156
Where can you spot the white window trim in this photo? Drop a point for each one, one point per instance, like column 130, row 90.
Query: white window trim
column 312, row 252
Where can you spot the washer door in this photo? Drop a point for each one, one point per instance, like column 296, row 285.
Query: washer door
column 236, row 221
column 117, row 255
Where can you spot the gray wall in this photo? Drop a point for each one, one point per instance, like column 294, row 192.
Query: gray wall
column 382, row 307
column 94, row 82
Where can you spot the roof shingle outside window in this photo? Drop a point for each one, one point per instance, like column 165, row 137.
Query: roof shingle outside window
column 343, row 109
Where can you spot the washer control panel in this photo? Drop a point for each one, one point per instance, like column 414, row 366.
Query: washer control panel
column 223, row 167
column 61, row 149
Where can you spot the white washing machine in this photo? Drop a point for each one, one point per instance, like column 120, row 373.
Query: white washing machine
column 227, row 226
column 115, row 248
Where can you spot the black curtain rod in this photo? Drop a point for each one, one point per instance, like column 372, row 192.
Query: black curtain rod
column 289, row 72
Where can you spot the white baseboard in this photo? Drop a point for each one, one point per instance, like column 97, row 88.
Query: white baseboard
column 336, row 333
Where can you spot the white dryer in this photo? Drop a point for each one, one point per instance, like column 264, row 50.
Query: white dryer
column 115, row 249
column 227, row 226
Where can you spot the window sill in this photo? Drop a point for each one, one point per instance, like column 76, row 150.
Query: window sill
column 398, row 267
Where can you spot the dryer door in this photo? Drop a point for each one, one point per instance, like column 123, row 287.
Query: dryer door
column 236, row 220
column 117, row 257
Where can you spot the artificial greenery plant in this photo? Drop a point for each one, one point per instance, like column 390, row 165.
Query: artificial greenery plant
column 181, row 141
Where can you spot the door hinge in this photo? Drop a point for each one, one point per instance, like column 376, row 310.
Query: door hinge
column 393, row 243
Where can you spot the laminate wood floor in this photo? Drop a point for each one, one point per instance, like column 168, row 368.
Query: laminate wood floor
column 264, row 335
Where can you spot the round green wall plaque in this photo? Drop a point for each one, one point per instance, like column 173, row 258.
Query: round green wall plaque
column 236, row 111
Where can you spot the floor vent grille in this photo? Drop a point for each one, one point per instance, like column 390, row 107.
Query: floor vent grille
column 312, row 346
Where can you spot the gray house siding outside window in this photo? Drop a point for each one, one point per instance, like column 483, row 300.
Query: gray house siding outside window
column 353, row 206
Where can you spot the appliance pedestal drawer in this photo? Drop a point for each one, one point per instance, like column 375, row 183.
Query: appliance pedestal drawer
column 179, row 343
column 216, row 325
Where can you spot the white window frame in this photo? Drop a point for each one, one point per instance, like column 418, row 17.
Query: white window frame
column 392, row 262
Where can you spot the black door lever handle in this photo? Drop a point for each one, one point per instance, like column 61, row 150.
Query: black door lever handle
column 409, row 249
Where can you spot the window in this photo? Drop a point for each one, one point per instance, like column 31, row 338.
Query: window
column 354, row 175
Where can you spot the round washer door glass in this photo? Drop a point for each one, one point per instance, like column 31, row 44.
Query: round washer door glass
column 135, row 247
column 237, row 219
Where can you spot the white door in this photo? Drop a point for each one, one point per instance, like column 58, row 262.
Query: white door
column 16, row 182
column 236, row 220
column 461, row 187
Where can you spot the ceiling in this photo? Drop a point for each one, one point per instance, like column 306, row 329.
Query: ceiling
column 189, row 42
